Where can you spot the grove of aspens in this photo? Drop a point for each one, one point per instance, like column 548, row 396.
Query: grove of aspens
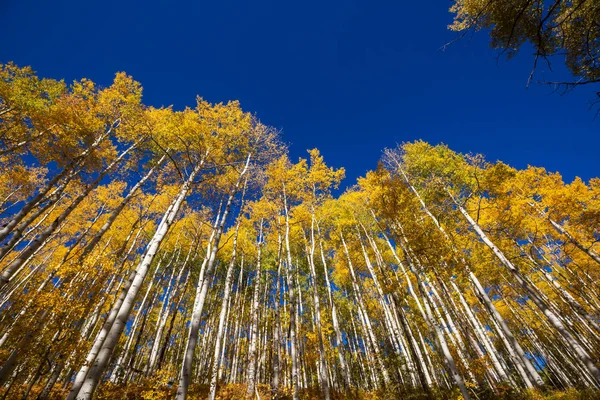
column 150, row 253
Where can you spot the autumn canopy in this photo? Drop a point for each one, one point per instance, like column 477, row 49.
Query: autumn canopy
column 159, row 253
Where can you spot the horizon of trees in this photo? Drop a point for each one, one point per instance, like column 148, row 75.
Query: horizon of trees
column 165, row 251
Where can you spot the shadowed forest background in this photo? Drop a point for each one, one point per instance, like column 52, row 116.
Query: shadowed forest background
column 188, row 251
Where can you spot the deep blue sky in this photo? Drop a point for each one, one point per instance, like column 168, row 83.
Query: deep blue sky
column 348, row 77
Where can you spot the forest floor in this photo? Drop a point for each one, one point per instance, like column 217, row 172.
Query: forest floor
column 238, row 392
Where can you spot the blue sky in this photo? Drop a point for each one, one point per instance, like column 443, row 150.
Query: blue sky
column 347, row 77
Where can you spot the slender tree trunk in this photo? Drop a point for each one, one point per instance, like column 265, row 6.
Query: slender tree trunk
column 254, row 311
column 95, row 373
column 188, row 358
column 277, row 321
column 100, row 337
column 292, row 301
column 222, row 316
column 322, row 371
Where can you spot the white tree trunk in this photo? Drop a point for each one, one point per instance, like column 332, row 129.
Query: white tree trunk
column 95, row 373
